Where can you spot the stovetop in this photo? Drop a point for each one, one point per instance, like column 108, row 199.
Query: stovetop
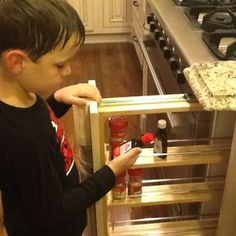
column 202, row 30
column 218, row 24
column 205, row 2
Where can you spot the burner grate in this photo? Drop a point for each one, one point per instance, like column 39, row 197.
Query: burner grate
column 205, row 2
column 219, row 28
column 219, row 19
column 214, row 40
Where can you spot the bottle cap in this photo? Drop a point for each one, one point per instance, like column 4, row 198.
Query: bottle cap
column 118, row 125
column 148, row 138
column 135, row 172
column 161, row 124
column 118, row 122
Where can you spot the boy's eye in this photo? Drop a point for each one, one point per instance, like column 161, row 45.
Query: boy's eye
column 60, row 66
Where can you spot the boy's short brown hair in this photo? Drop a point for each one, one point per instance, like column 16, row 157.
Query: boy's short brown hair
column 38, row 26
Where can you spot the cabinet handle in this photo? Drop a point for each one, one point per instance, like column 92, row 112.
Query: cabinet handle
column 134, row 38
column 136, row 3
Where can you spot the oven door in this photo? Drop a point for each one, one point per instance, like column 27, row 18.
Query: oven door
column 184, row 128
column 160, row 78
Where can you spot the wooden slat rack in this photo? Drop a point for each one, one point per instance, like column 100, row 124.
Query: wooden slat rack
column 94, row 136
column 178, row 228
column 171, row 194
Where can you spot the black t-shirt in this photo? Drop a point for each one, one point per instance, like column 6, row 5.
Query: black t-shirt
column 39, row 181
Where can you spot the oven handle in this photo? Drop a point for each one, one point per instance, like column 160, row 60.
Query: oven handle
column 150, row 67
column 154, row 76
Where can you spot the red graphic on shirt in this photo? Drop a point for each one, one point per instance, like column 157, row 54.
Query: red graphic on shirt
column 65, row 147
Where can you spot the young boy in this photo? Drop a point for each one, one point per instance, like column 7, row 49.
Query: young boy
column 40, row 187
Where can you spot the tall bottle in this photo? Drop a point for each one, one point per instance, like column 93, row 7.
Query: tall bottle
column 160, row 143
column 147, row 138
column 118, row 133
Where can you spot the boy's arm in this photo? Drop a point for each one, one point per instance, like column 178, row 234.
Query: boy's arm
column 1, row 215
column 2, row 228
column 59, row 108
column 47, row 203
column 77, row 94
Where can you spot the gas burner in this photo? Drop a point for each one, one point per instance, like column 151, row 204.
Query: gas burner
column 205, row 2
column 218, row 20
column 212, row 18
column 221, row 43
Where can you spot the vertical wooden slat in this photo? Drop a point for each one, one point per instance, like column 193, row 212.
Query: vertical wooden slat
column 82, row 125
column 227, row 226
column 97, row 131
column 83, row 141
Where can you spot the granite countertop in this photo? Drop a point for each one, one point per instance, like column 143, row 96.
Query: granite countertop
column 214, row 84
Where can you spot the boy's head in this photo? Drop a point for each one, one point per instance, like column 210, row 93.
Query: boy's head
column 38, row 26
column 37, row 40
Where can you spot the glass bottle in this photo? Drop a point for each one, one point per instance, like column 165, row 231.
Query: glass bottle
column 135, row 182
column 160, row 143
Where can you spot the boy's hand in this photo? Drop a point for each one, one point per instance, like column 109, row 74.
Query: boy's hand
column 125, row 161
column 78, row 94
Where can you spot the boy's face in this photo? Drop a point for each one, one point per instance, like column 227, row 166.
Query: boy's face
column 46, row 74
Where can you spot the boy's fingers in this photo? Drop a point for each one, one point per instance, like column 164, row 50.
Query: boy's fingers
column 134, row 152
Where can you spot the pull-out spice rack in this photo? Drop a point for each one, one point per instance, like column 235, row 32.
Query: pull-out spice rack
column 206, row 190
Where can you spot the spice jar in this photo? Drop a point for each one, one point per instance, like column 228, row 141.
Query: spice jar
column 118, row 127
column 135, row 182
column 135, row 175
column 119, row 191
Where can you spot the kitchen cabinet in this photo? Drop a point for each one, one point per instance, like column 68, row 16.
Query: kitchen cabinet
column 193, row 191
column 86, row 10
column 104, row 17
column 138, row 29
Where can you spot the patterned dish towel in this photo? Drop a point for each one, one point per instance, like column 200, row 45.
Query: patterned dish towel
column 214, row 84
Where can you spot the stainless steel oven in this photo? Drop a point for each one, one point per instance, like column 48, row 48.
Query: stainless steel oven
column 170, row 43
column 164, row 75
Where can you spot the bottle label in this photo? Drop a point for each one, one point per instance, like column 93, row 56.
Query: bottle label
column 119, row 191
column 135, row 189
column 125, row 147
column 158, row 146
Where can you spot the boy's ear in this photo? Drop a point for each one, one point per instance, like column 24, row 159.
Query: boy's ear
column 15, row 60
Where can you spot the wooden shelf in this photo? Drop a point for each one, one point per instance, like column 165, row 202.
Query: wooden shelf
column 206, row 227
column 172, row 193
column 185, row 155
column 146, row 105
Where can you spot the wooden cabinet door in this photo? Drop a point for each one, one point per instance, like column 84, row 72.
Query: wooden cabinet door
column 86, row 10
column 116, row 15
column 104, row 16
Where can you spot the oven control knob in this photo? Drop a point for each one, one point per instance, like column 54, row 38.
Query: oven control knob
column 157, row 34
column 150, row 18
column 167, row 52
column 180, row 77
column 152, row 26
column 174, row 64
column 162, row 42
